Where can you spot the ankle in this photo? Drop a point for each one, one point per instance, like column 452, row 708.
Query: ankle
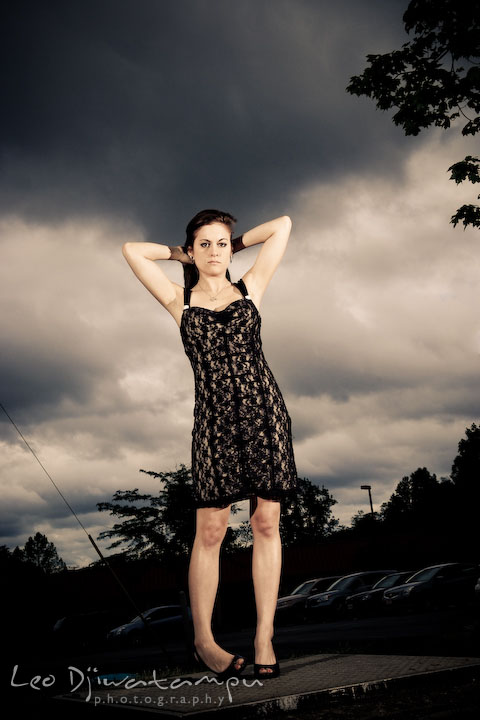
column 263, row 638
column 203, row 642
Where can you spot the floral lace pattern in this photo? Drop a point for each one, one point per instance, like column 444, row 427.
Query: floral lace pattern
column 241, row 437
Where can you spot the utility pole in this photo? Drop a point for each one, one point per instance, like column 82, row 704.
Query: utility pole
column 369, row 488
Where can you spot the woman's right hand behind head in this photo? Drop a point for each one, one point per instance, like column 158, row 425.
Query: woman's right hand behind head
column 178, row 253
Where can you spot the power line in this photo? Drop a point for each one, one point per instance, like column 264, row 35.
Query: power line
column 46, row 472
column 125, row 591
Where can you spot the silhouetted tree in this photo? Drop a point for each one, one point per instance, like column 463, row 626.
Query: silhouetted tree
column 163, row 525
column 41, row 553
column 147, row 526
column 363, row 523
column 156, row 526
column 415, row 502
column 465, row 477
column 244, row 535
column 10, row 559
column 23, row 614
column 140, row 527
column 466, row 466
column 433, row 79
column 307, row 517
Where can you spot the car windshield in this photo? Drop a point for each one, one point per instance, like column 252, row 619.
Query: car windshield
column 304, row 588
column 325, row 585
column 423, row 575
column 342, row 584
column 387, row 581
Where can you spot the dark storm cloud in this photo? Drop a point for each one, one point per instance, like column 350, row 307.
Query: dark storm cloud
column 150, row 110
column 14, row 523
column 123, row 117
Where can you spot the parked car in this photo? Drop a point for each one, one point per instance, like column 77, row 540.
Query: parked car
column 292, row 607
column 163, row 622
column 370, row 602
column 434, row 586
column 332, row 602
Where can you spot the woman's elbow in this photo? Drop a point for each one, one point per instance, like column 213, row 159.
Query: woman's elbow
column 126, row 248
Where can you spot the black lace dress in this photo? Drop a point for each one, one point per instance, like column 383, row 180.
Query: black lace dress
column 241, row 437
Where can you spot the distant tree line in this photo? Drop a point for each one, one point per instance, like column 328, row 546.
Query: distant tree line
column 161, row 526
column 38, row 554
column 422, row 502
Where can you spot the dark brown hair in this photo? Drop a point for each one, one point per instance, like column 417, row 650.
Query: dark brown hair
column 204, row 217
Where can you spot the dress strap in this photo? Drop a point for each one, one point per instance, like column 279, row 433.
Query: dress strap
column 243, row 289
column 186, row 297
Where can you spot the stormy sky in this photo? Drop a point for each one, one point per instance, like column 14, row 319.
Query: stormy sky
column 120, row 120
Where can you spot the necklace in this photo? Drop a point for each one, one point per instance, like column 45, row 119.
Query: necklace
column 219, row 292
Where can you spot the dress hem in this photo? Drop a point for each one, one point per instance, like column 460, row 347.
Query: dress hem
column 278, row 496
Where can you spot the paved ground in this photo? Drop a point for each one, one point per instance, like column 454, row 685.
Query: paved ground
column 416, row 668
column 304, row 683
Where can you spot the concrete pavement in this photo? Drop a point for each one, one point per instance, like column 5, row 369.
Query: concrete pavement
column 304, row 682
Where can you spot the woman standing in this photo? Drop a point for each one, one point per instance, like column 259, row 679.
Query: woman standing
column 241, row 439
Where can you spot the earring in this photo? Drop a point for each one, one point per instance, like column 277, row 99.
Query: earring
column 231, row 258
column 192, row 259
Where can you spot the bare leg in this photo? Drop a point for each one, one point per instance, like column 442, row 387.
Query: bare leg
column 266, row 568
column 203, row 578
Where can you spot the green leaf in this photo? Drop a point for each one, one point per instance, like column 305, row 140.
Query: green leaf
column 468, row 215
column 467, row 169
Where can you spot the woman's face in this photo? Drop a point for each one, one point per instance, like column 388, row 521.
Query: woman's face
column 212, row 249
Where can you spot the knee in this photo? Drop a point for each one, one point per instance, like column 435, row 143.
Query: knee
column 211, row 534
column 265, row 522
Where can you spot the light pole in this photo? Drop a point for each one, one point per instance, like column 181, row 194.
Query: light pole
column 369, row 488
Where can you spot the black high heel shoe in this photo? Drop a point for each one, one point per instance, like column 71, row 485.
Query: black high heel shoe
column 230, row 671
column 275, row 668
column 260, row 675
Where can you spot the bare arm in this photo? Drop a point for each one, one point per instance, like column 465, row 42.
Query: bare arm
column 274, row 238
column 142, row 256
